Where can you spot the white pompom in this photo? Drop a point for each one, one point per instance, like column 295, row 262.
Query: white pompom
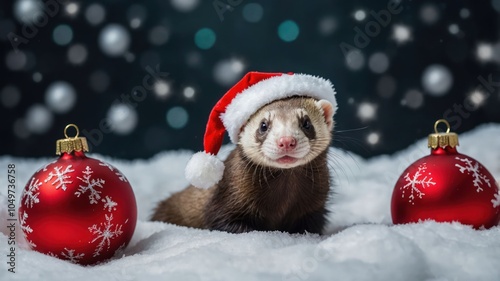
column 204, row 170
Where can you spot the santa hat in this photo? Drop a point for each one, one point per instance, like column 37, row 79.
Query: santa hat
column 232, row 111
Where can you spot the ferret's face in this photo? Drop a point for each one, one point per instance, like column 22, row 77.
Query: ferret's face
column 288, row 133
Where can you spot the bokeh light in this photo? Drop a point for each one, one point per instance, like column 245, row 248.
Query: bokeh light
column 177, row 117
column 95, row 14
column 359, row 15
column 16, row 61
column 77, row 54
column 26, row 11
column 327, row 25
column 159, row 35
column 204, row 38
column 288, row 31
column 484, row 52
column 184, row 5
column 401, row 33
column 413, row 99
column 136, row 15
column 38, row 119
column 37, row 77
column 228, row 71
column 477, row 98
column 114, row 40
column 378, row 62
column 253, row 12
column 464, row 13
column 60, row 97
column 366, row 111
column 10, row 96
column 429, row 13
column 189, row 92
column 373, row 138
column 72, row 9
column 122, row 118
column 62, row 34
column 162, row 89
column 355, row 60
column 437, row 80
column 453, row 29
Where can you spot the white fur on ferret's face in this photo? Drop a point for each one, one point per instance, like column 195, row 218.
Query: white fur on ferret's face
column 288, row 133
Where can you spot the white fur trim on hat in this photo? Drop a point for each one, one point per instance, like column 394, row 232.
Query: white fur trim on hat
column 204, row 170
column 266, row 91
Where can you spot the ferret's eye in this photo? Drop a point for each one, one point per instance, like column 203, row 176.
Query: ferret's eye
column 306, row 124
column 263, row 127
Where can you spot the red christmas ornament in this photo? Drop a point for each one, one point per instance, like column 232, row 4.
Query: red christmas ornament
column 77, row 208
column 446, row 186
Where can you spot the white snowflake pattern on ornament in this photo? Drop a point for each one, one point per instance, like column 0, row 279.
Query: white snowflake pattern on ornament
column 473, row 167
column 90, row 185
column 50, row 254
column 30, row 196
column 109, row 204
column 104, row 234
column 70, row 255
column 26, row 228
column 496, row 200
column 415, row 183
column 61, row 177
column 112, row 169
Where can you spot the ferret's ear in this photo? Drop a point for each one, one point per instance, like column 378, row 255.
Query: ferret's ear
column 328, row 111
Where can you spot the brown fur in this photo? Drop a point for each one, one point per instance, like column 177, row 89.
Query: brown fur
column 252, row 196
column 185, row 207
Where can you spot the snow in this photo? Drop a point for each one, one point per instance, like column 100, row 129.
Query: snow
column 360, row 242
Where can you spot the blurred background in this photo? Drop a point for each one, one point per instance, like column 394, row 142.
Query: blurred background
column 140, row 77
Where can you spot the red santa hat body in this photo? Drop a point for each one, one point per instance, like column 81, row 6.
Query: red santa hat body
column 232, row 111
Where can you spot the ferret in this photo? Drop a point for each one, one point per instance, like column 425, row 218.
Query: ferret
column 276, row 179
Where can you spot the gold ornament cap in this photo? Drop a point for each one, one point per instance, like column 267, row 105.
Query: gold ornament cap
column 442, row 139
column 70, row 144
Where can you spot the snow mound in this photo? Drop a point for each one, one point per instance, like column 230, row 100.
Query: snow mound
column 360, row 243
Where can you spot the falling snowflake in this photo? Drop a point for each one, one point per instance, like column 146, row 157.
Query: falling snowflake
column 109, row 204
column 30, row 196
column 416, row 183
column 61, row 177
column 90, row 185
column 496, row 200
column 26, row 228
column 70, row 255
column 470, row 167
column 113, row 169
column 104, row 234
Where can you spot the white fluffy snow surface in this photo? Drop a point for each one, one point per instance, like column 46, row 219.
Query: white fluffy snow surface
column 360, row 242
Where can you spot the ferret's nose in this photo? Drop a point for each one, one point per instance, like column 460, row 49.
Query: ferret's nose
column 287, row 142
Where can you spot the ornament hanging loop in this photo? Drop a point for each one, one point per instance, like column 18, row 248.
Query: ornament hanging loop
column 66, row 131
column 71, row 144
column 435, row 125
column 442, row 140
